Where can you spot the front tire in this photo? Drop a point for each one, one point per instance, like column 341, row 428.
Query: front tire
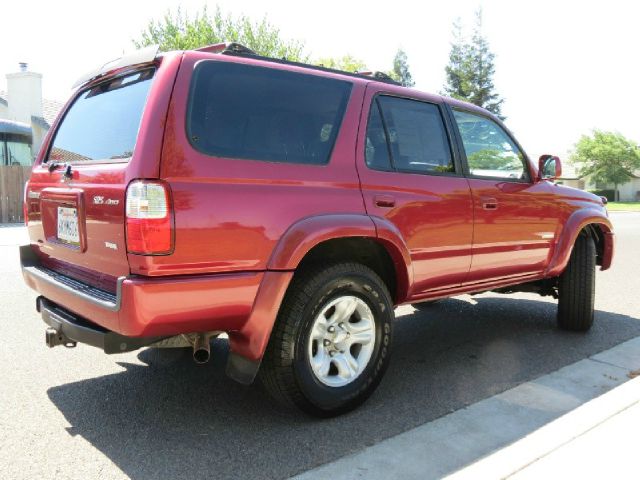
column 576, row 287
column 331, row 342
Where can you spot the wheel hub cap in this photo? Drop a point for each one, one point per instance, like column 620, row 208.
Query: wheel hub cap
column 341, row 341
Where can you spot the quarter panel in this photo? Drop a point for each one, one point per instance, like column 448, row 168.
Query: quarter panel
column 231, row 213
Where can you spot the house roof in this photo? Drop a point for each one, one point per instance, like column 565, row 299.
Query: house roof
column 50, row 109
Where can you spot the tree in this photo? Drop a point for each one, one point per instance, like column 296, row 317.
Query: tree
column 176, row 31
column 345, row 63
column 470, row 70
column 400, row 72
column 458, row 76
column 607, row 157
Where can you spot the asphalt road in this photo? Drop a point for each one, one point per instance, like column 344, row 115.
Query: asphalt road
column 77, row 413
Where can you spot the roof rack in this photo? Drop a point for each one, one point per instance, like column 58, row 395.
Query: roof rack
column 236, row 49
column 228, row 48
column 383, row 77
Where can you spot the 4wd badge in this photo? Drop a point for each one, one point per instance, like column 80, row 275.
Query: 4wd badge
column 99, row 200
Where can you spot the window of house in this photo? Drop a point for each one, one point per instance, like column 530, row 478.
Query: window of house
column 18, row 153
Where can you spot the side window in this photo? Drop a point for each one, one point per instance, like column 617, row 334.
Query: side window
column 416, row 135
column 242, row 111
column 490, row 151
column 376, row 148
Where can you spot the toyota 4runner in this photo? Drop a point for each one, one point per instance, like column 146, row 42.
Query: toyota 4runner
column 183, row 195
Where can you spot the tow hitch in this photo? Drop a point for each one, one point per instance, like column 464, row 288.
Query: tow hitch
column 54, row 338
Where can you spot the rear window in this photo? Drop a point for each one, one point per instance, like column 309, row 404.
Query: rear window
column 103, row 122
column 240, row 111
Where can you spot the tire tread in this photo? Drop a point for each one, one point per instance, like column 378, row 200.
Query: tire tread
column 577, row 287
column 276, row 372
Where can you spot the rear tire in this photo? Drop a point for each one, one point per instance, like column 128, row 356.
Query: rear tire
column 576, row 287
column 331, row 343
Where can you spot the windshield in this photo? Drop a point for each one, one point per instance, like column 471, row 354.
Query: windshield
column 102, row 124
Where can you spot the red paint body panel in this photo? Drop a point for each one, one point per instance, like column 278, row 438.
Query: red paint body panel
column 104, row 222
column 251, row 339
column 231, row 213
column 578, row 212
column 309, row 232
column 515, row 237
column 432, row 213
column 242, row 227
column 198, row 303
column 168, row 306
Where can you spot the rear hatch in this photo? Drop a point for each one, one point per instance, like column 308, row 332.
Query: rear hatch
column 75, row 199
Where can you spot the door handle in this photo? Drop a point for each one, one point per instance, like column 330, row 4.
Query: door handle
column 384, row 201
column 489, row 203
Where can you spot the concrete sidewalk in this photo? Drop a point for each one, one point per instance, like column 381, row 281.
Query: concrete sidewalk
column 582, row 420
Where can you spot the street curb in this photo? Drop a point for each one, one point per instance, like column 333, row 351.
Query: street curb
column 502, row 434
column 554, row 435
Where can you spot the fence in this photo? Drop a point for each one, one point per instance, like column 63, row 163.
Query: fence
column 12, row 180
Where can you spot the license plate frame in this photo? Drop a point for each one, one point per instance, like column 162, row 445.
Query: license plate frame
column 68, row 230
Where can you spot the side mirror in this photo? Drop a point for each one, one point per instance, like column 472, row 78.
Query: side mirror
column 549, row 167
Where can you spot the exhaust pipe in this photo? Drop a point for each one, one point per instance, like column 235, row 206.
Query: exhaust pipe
column 202, row 348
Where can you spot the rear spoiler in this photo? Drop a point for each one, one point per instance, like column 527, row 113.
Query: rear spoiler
column 139, row 57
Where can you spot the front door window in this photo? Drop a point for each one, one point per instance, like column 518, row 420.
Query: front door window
column 490, row 151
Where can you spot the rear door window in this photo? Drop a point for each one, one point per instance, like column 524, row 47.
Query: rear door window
column 416, row 139
column 102, row 123
column 247, row 112
column 377, row 147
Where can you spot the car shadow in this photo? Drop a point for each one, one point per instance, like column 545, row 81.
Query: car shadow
column 172, row 419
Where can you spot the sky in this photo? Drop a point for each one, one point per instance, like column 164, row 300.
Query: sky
column 563, row 68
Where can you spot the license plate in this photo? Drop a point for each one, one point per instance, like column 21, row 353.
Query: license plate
column 68, row 226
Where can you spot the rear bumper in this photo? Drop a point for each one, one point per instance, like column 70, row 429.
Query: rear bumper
column 163, row 307
column 150, row 307
column 80, row 331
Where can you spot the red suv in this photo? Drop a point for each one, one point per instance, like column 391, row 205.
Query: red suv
column 184, row 195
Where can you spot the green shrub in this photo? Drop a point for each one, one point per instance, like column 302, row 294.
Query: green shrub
column 609, row 194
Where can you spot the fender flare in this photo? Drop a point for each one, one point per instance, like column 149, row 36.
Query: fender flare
column 576, row 222
column 248, row 344
column 391, row 238
column 309, row 232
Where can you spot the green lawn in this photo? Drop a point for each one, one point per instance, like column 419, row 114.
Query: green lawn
column 626, row 206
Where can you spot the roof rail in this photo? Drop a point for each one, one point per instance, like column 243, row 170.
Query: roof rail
column 383, row 77
column 227, row 48
column 237, row 49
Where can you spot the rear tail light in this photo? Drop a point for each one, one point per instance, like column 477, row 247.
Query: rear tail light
column 149, row 223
